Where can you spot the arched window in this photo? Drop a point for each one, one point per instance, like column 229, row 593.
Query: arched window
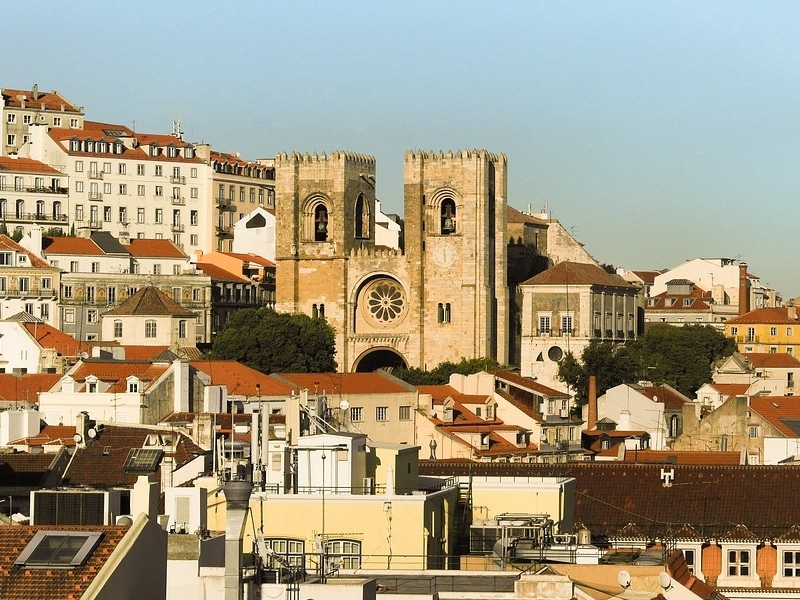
column 56, row 210
column 40, row 213
column 3, row 208
column 314, row 311
column 150, row 328
column 20, row 208
column 362, row 217
column 320, row 223
column 448, row 217
column 343, row 554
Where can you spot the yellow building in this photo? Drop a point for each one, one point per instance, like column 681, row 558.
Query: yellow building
column 765, row 330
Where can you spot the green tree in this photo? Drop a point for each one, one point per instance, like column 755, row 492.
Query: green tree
column 440, row 375
column 682, row 356
column 611, row 364
column 273, row 342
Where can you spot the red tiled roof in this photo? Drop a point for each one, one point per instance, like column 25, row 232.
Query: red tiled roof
column 253, row 258
column 26, row 469
column 647, row 276
column 779, row 315
column 572, row 273
column 241, row 380
column 217, row 273
column 664, row 394
column 775, row 360
column 51, row 434
column 731, row 389
column 780, row 412
column 345, row 383
column 115, row 372
column 144, row 248
column 50, row 337
column 147, row 353
column 516, row 216
column 36, row 262
column 18, row 582
column 26, row 388
column 439, row 393
column 150, row 301
column 50, row 100
column 26, row 165
column 529, row 384
column 71, row 245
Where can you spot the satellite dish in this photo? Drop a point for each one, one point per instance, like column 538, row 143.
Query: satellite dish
column 78, row 438
column 664, row 580
column 92, row 433
column 84, row 355
column 344, row 404
column 624, row 579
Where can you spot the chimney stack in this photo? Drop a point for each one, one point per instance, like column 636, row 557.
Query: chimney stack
column 591, row 417
column 744, row 290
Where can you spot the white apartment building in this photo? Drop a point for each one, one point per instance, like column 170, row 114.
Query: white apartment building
column 130, row 184
column 32, row 193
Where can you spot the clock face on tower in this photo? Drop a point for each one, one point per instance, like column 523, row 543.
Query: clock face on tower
column 444, row 254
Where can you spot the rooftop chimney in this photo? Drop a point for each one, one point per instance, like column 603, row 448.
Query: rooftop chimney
column 591, row 417
column 35, row 91
column 744, row 290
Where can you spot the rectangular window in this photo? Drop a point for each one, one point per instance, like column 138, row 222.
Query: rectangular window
column 90, row 293
column 46, row 283
column 150, row 328
column 24, row 284
column 106, row 188
column 752, row 431
column 140, row 190
column 11, row 139
column 791, row 563
column 78, row 186
column 739, row 563
column 159, row 215
column 193, row 172
column 95, row 267
column 193, row 217
column 773, row 331
column 159, row 190
column 106, row 167
column 140, row 169
column 788, row 332
column 79, row 166
column 11, row 118
column 382, row 413
column 159, row 171
column 140, row 215
column 404, row 413
column 544, row 324
column 69, row 315
column 123, row 215
column 117, row 328
column 107, row 214
column 194, row 192
column 73, row 123
column 193, row 239
column 91, row 315
column 111, row 294
column 122, row 168
column 123, row 189
column 56, row 121
column 566, row 324
column 357, row 414
column 67, row 291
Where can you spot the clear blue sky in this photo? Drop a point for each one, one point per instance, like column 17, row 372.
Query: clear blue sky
column 657, row 131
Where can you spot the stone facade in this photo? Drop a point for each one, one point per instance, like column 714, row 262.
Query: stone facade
column 443, row 296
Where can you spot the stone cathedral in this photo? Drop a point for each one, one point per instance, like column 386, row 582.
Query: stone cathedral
column 442, row 296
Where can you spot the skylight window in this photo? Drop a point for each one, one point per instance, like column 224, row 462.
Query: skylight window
column 58, row 549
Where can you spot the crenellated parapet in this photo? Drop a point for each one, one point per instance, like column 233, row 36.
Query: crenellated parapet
column 413, row 156
column 341, row 157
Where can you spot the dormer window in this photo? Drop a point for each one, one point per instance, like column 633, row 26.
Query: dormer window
column 74, row 145
column 172, row 151
column 188, row 152
column 153, row 150
column 133, row 386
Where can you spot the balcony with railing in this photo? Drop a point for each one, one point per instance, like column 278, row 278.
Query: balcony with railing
column 34, row 190
column 177, row 228
column 179, row 200
column 29, row 293
column 98, row 196
column 95, row 174
column 178, row 179
column 225, row 205
column 32, row 217
column 224, row 232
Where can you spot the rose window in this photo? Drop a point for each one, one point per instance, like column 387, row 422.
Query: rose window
column 385, row 301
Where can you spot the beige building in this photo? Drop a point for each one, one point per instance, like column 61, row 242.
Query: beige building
column 23, row 108
column 442, row 297
column 27, row 283
column 568, row 306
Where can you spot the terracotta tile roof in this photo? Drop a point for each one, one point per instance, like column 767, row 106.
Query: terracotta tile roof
column 49, row 337
column 782, row 412
column 150, row 301
column 516, row 216
column 647, row 276
column 609, row 495
column 71, row 245
column 791, row 535
column 740, row 533
column 683, row 457
column 775, row 315
column 26, row 388
column 101, row 463
column 498, row 445
column 25, row 469
column 26, row 165
column 144, row 248
column 529, row 384
column 696, row 300
column 61, row 435
column 18, row 582
column 571, row 273
column 346, row 383
column 50, row 100
column 775, row 360
column 686, row 533
column 116, row 372
column 252, row 258
column 671, row 398
column 731, row 389
column 440, row 393
column 217, row 273
column 146, row 353
column 676, row 566
column 34, row 261
column 240, row 379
